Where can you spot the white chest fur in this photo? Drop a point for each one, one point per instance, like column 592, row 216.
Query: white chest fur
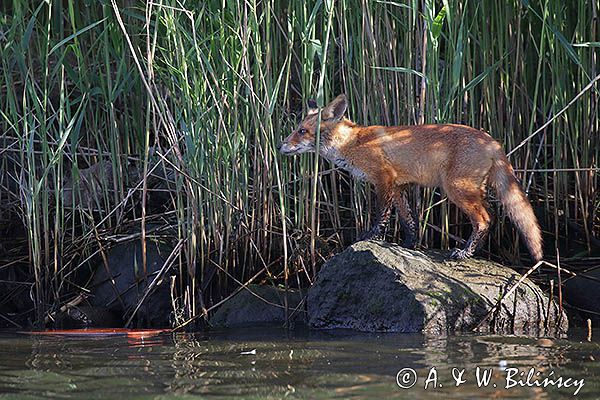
column 333, row 155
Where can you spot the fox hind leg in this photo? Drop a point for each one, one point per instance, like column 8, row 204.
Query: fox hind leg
column 472, row 203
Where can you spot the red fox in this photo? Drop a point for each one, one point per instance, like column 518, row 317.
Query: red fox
column 460, row 159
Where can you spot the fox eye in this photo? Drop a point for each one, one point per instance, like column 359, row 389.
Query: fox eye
column 301, row 131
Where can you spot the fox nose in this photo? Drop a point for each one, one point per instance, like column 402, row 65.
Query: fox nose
column 279, row 146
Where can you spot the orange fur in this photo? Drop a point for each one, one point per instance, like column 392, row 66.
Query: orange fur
column 460, row 159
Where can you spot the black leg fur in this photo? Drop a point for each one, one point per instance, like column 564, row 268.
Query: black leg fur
column 408, row 223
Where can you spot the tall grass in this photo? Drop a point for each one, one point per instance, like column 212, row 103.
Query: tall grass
column 195, row 95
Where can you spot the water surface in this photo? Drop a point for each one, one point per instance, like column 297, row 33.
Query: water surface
column 269, row 363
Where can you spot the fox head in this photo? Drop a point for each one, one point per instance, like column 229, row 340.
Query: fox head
column 303, row 138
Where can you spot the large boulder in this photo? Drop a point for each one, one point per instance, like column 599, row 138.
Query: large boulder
column 380, row 287
column 119, row 285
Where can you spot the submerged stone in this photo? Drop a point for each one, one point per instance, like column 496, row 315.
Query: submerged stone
column 583, row 293
column 259, row 305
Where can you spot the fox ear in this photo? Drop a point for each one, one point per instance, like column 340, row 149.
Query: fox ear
column 312, row 107
column 336, row 109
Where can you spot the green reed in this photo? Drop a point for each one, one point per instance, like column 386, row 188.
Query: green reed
column 202, row 92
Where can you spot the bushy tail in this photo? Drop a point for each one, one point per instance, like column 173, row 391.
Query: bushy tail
column 517, row 206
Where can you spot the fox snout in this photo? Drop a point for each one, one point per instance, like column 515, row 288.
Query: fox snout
column 287, row 149
column 294, row 145
column 284, row 148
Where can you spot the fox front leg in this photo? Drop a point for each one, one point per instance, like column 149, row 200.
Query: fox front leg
column 382, row 216
column 409, row 226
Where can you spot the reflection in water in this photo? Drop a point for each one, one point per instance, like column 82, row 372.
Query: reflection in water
column 274, row 364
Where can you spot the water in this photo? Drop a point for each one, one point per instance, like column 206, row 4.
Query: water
column 272, row 364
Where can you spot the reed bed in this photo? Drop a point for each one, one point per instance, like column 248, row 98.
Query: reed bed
column 159, row 120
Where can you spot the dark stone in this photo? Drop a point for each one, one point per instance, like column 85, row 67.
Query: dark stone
column 125, row 268
column 86, row 317
column 257, row 305
column 583, row 292
column 380, row 287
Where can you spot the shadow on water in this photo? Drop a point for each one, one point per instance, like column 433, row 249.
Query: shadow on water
column 273, row 363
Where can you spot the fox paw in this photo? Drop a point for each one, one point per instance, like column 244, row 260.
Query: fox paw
column 368, row 235
column 460, row 254
column 409, row 245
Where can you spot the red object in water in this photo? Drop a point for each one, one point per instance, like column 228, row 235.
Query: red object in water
column 130, row 333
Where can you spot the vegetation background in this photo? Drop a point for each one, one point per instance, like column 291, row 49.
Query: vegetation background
column 158, row 121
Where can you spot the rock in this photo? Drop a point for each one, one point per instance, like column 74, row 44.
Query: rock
column 125, row 268
column 381, row 287
column 248, row 307
column 86, row 317
column 583, row 292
